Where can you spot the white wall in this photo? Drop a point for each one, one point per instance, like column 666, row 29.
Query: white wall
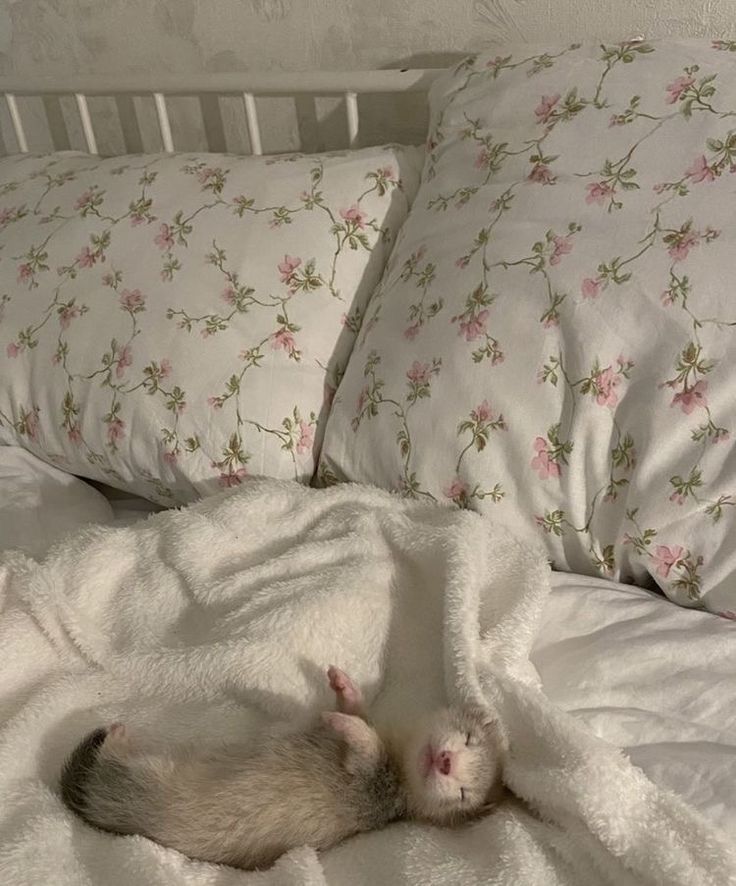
column 55, row 37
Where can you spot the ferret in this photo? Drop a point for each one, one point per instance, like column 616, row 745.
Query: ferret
column 246, row 805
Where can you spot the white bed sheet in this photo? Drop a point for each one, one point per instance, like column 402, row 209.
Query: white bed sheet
column 39, row 503
column 652, row 677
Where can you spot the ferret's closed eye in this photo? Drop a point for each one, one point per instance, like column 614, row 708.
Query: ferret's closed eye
column 463, row 794
column 468, row 736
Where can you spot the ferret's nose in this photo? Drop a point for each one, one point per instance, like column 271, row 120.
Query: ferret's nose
column 443, row 762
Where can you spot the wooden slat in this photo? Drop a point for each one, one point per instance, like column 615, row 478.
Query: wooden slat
column 254, row 130
column 20, row 133
column 86, row 120
column 163, row 122
column 351, row 108
column 233, row 83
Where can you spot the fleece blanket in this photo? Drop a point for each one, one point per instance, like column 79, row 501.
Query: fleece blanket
column 209, row 622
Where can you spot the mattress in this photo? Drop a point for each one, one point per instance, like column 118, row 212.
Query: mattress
column 654, row 678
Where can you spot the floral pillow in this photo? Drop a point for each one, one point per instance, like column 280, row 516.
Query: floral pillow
column 169, row 324
column 554, row 340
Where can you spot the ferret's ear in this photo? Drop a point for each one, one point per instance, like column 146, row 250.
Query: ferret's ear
column 363, row 745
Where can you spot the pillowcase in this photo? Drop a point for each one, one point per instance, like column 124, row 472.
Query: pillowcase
column 169, row 324
column 554, row 340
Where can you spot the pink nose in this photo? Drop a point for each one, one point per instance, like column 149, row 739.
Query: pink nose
column 443, row 762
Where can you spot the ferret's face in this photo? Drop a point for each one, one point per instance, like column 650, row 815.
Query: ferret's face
column 452, row 765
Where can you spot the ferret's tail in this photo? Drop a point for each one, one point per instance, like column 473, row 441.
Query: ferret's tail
column 78, row 771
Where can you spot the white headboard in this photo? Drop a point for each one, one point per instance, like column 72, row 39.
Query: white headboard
column 22, row 129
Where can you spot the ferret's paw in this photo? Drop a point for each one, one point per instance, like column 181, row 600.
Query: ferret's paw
column 348, row 697
column 118, row 737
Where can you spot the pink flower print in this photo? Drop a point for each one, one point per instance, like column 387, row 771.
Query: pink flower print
column 542, row 463
column 287, row 268
column 545, row 108
column 354, row 215
column 483, row 412
column 616, row 120
column 677, row 497
column 474, row 327
column 721, row 435
column 13, row 349
column 132, row 300
column 164, row 368
column 495, row 62
column 541, row 174
column 6, row 215
column 125, row 359
column 482, row 158
column 692, row 398
column 681, row 248
column 170, row 458
column 215, row 402
column 306, row 438
column 606, row 382
column 84, row 200
column 590, row 287
column 56, row 359
column 31, row 425
column 283, row 339
column 86, row 258
column 462, row 262
column 25, row 273
column 729, row 613
column 204, row 175
column 457, row 491
column 677, row 87
column 699, row 171
column 598, row 192
column 666, row 557
column 362, row 398
column 233, row 478
column 563, row 246
column 229, row 295
column 551, row 321
column 67, row 314
column 411, row 332
column 108, row 280
column 115, row 431
column 388, row 173
column 419, row 373
column 164, row 239
column 74, row 434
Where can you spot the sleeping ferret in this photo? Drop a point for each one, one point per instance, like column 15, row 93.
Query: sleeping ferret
column 246, row 805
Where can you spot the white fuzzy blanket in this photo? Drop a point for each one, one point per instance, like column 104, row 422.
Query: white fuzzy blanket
column 203, row 622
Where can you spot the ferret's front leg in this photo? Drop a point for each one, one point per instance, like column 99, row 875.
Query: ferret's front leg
column 348, row 697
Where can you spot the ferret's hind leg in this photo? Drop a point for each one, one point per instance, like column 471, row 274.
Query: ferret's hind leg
column 348, row 697
column 117, row 741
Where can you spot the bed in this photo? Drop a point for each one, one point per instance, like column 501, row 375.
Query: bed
column 420, row 366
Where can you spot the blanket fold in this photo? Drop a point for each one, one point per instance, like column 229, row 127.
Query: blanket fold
column 209, row 622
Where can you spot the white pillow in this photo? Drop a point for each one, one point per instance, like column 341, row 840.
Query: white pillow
column 39, row 504
column 554, row 340
column 169, row 324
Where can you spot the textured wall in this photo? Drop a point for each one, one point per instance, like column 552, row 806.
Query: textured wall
column 57, row 37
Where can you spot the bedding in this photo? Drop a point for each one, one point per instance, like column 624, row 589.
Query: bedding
column 39, row 504
column 554, row 339
column 170, row 324
column 207, row 621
